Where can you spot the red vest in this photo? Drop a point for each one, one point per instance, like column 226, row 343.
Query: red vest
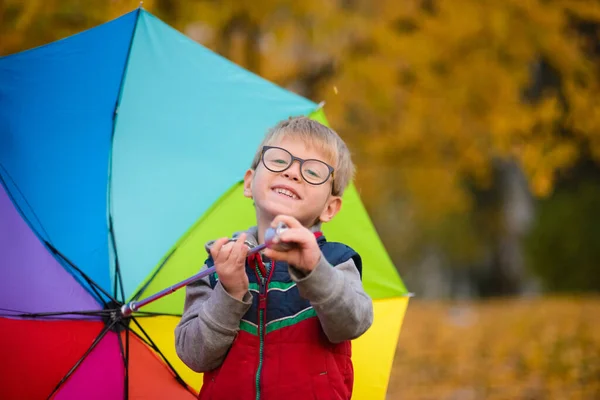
column 281, row 351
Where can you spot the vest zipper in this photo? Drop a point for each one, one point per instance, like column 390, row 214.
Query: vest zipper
column 262, row 309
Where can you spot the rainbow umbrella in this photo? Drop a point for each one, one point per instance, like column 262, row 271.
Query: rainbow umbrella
column 122, row 150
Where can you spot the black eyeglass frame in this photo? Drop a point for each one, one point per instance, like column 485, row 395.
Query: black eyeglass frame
column 300, row 160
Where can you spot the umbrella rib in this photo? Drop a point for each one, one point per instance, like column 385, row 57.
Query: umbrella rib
column 112, row 138
column 112, row 239
column 149, row 281
column 118, row 277
column 125, row 356
column 145, row 314
column 93, row 287
column 53, row 314
column 49, row 241
column 155, row 347
column 24, row 198
column 89, row 350
column 143, row 339
column 93, row 284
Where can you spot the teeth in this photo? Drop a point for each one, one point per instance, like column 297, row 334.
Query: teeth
column 286, row 192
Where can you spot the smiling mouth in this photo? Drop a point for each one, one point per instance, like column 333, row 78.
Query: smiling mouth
column 286, row 192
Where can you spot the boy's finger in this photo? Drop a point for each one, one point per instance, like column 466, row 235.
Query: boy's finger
column 276, row 255
column 241, row 255
column 294, row 236
column 241, row 239
column 240, row 250
column 216, row 247
column 215, row 250
column 238, row 244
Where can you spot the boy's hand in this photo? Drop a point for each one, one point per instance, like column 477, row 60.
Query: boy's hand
column 230, row 261
column 305, row 254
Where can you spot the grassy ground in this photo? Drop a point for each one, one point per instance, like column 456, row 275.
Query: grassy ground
column 504, row 349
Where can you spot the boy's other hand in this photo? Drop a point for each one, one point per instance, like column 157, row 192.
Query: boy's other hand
column 305, row 253
column 230, row 262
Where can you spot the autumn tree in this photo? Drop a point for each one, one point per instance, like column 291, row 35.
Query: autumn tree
column 444, row 103
column 448, row 96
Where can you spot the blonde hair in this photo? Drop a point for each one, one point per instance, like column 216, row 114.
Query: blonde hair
column 316, row 136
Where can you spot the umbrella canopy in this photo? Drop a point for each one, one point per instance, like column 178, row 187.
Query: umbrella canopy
column 122, row 150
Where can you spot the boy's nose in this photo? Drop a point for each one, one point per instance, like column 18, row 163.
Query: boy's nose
column 293, row 172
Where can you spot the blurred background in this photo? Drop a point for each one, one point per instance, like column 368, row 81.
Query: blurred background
column 475, row 127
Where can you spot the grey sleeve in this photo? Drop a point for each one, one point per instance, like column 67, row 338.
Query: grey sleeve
column 338, row 297
column 209, row 324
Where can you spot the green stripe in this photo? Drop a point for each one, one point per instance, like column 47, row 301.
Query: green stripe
column 283, row 286
column 248, row 327
column 282, row 323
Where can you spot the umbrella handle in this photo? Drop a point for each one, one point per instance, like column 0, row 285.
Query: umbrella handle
column 271, row 233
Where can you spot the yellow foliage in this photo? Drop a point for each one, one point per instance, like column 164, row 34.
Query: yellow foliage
column 431, row 92
column 458, row 100
column 543, row 348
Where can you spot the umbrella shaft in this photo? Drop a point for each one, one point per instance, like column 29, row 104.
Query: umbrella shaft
column 128, row 309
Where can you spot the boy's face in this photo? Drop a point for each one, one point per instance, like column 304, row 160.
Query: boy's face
column 287, row 192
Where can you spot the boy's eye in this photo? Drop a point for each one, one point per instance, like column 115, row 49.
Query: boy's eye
column 280, row 161
column 313, row 173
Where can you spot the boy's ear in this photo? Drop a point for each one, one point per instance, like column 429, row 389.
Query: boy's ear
column 333, row 206
column 248, row 183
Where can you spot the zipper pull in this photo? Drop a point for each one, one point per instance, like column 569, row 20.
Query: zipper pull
column 262, row 285
column 262, row 298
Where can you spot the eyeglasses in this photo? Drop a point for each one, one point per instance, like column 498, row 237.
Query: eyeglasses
column 313, row 171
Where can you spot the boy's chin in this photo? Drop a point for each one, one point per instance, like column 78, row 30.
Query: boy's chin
column 274, row 209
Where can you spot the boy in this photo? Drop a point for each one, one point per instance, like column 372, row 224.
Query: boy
column 279, row 326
